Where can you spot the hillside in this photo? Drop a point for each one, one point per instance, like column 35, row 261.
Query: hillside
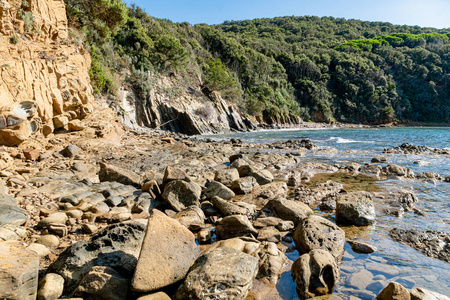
column 276, row 71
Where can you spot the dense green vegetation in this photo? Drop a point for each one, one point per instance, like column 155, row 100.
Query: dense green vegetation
column 321, row 69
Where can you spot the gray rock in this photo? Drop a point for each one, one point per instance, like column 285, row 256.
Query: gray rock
column 19, row 269
column 222, row 273
column 180, row 194
column 226, row 176
column 361, row 247
column 289, row 210
column 218, row 189
column 12, row 215
column 228, row 208
column 117, row 246
column 70, row 151
column 168, row 250
column 315, row 273
column 355, row 208
column 360, row 280
column 314, row 232
column 50, row 287
column 6, row 199
column 244, row 185
column 235, row 226
column 103, row 283
column 117, row 174
column 379, row 159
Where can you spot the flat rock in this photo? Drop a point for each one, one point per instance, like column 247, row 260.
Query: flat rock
column 289, row 210
column 235, row 226
column 173, row 173
column 218, row 189
column 19, row 269
column 12, row 215
column 360, row 280
column 117, row 174
column 169, row 250
column 222, row 273
column 228, row 208
column 155, row 296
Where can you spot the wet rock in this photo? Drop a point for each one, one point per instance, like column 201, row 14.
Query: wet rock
column 12, row 215
column 19, row 269
column 422, row 163
column 396, row 170
column 394, row 291
column 379, row 159
column 50, row 287
column 117, row 174
column 118, row 246
column 70, row 151
column 373, row 170
column 430, row 243
column 405, row 200
column 271, row 191
column 226, row 176
column 355, row 208
column 381, row 269
column 314, row 232
column 235, row 226
column 103, row 283
column 289, row 210
column 218, row 189
column 407, row 148
column 328, row 203
column 360, row 280
column 169, row 250
column 315, row 273
column 204, row 236
column 228, row 208
column 271, row 262
column 180, row 194
column 222, row 273
column 192, row 215
column 244, row 185
column 424, row 294
column 361, row 247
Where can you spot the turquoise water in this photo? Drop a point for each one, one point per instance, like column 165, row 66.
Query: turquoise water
column 393, row 261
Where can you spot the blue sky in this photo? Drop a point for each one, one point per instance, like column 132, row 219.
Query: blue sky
column 425, row 13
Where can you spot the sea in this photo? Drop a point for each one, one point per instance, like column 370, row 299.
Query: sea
column 365, row 275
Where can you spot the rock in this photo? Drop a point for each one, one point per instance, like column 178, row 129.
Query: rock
column 227, row 176
column 75, row 125
column 58, row 229
column 360, row 280
column 315, row 273
column 355, row 208
column 6, row 199
column 271, row 191
column 89, row 228
column 271, row 263
column 192, row 215
column 289, row 210
column 395, row 170
column 40, row 249
column 117, row 174
column 218, row 189
column 169, row 250
column 270, row 234
column 430, row 243
column 48, row 240
column 422, row 163
column 102, row 282
column 235, row 226
column 244, row 185
column 155, row 296
column 55, row 218
column 31, row 154
column 381, row 269
column 204, row 236
column 152, row 188
column 50, row 287
column 180, row 194
column 12, row 215
column 228, row 208
column 6, row 161
column 373, row 170
column 261, row 222
column 424, row 294
column 285, row 225
column 19, row 269
column 361, row 247
column 222, row 273
column 117, row 246
column 379, row 159
column 172, row 173
column 70, row 151
column 314, row 232
column 60, row 121
column 244, row 244
column 394, row 291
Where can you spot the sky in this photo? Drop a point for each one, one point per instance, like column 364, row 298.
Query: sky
column 424, row 13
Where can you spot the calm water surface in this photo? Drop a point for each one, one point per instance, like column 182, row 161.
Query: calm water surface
column 392, row 261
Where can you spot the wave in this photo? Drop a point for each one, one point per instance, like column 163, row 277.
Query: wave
column 340, row 140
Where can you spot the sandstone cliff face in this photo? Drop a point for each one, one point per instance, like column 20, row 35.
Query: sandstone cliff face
column 41, row 68
column 187, row 110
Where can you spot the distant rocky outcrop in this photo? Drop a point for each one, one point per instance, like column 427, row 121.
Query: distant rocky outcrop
column 44, row 81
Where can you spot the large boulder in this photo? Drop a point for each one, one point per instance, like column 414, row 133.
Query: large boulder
column 315, row 273
column 315, row 232
column 290, row 210
column 235, row 226
column 355, row 208
column 19, row 269
column 218, row 189
column 180, row 194
column 118, row 174
column 167, row 253
column 222, row 273
column 117, row 246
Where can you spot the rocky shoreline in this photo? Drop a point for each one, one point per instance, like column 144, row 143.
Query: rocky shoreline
column 102, row 212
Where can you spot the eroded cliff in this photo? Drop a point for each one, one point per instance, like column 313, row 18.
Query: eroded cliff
column 39, row 65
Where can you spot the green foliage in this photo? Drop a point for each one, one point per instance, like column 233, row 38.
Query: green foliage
column 220, row 79
column 14, row 39
column 101, row 77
